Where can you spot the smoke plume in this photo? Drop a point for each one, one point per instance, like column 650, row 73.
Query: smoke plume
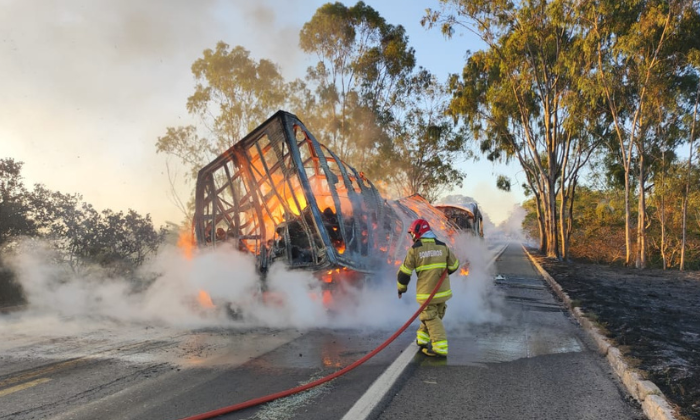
column 234, row 294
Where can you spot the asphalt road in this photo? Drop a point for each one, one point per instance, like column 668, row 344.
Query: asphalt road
column 537, row 364
column 172, row 375
column 533, row 364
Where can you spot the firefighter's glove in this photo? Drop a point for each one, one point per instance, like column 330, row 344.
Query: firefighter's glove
column 401, row 289
column 400, row 293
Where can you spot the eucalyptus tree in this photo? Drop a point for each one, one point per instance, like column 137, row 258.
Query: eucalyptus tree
column 515, row 97
column 654, row 152
column 632, row 49
column 694, row 62
column 584, row 132
column 663, row 128
column 427, row 143
column 667, row 234
column 233, row 94
column 662, row 201
column 362, row 72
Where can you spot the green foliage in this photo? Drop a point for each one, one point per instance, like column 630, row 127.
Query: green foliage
column 233, row 94
column 361, row 78
column 558, row 78
column 530, row 224
column 362, row 98
column 639, row 54
column 185, row 144
column 15, row 205
column 503, row 183
column 427, row 143
column 598, row 225
column 518, row 97
column 116, row 241
column 81, row 235
column 236, row 89
column 665, row 203
column 599, row 229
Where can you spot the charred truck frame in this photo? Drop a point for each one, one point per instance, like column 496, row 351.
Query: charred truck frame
column 281, row 195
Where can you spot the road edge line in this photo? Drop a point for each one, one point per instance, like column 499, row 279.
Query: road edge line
column 376, row 392
column 653, row 402
column 381, row 386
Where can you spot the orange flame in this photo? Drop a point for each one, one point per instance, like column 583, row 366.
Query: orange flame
column 327, row 298
column 204, row 299
column 464, row 271
column 335, row 274
column 185, row 242
column 328, row 277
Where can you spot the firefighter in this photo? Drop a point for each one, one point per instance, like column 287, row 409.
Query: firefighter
column 429, row 258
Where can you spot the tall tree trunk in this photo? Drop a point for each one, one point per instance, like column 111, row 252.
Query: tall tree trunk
column 537, row 191
column 664, row 263
column 553, row 242
column 628, row 240
column 687, row 177
column 564, row 199
column 547, row 222
column 570, row 222
column 683, row 224
column 563, row 224
column 641, row 261
column 540, row 225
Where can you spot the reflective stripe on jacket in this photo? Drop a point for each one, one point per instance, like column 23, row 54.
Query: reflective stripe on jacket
column 429, row 258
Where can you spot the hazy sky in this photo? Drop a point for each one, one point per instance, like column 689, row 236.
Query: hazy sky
column 87, row 86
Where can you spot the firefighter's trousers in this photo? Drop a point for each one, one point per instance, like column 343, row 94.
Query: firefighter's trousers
column 431, row 328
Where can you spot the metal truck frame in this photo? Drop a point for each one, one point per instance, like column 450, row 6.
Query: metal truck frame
column 281, row 195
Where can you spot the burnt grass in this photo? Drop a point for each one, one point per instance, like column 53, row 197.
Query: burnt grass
column 651, row 315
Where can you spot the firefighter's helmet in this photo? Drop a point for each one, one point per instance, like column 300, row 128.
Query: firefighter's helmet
column 418, row 228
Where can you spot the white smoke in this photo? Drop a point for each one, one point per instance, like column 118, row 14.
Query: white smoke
column 293, row 299
column 512, row 227
column 475, row 300
column 290, row 299
column 53, row 289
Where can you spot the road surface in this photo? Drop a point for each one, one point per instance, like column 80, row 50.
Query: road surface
column 534, row 363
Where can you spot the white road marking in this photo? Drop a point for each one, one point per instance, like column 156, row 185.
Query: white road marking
column 373, row 396
column 364, row 406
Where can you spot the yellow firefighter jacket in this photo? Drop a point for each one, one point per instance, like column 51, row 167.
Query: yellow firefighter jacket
column 429, row 257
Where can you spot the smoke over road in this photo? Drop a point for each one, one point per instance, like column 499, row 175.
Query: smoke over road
column 293, row 299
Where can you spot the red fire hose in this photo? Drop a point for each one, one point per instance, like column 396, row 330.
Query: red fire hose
column 292, row 391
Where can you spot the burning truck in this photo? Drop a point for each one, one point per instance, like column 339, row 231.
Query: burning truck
column 283, row 196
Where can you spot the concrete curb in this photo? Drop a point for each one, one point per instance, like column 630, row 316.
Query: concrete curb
column 652, row 400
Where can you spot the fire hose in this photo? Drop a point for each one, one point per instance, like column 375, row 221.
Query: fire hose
column 292, row 391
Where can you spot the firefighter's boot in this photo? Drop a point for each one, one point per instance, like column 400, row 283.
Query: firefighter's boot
column 422, row 338
column 431, row 352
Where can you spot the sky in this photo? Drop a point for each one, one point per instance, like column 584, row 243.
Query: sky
column 88, row 86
